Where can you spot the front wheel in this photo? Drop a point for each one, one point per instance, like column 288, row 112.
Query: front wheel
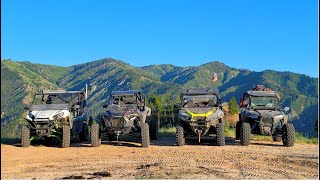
column 180, row 139
column 95, row 139
column 220, row 135
column 153, row 129
column 288, row 133
column 145, row 137
column 65, row 136
column 25, row 136
column 238, row 125
column 245, row 132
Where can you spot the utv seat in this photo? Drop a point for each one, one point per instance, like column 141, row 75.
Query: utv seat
column 269, row 105
column 129, row 100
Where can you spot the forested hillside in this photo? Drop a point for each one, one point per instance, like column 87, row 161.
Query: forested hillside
column 19, row 80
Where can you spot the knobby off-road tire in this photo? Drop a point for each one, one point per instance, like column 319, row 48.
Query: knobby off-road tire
column 180, row 139
column 84, row 135
column 288, row 133
column 145, row 136
column 220, row 135
column 276, row 138
column 153, row 129
column 66, row 136
column 238, row 125
column 245, row 132
column 95, row 139
column 25, row 136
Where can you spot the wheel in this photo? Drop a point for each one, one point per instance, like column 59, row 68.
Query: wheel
column 95, row 139
column 153, row 129
column 145, row 137
column 84, row 135
column 276, row 138
column 245, row 131
column 65, row 136
column 238, row 125
column 180, row 139
column 220, row 135
column 288, row 133
column 25, row 136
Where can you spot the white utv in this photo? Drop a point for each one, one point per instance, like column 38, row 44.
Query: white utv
column 56, row 114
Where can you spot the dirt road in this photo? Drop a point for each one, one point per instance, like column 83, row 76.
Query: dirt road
column 161, row 160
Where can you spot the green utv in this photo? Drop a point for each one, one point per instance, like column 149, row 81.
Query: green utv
column 200, row 115
column 58, row 114
column 126, row 114
column 260, row 113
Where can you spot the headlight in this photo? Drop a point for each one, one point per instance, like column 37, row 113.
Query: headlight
column 58, row 116
column 278, row 117
column 31, row 115
column 254, row 116
column 184, row 116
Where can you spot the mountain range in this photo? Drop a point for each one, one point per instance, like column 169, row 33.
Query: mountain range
column 19, row 80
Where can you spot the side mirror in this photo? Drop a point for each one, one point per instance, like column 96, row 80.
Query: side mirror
column 105, row 106
column 26, row 108
column 286, row 109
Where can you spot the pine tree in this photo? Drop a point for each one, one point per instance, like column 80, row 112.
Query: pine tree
column 233, row 106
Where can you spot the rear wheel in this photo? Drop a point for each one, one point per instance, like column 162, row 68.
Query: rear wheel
column 288, row 133
column 276, row 138
column 145, row 137
column 220, row 135
column 180, row 139
column 84, row 135
column 65, row 136
column 245, row 132
column 238, row 125
column 25, row 136
column 153, row 129
column 95, row 139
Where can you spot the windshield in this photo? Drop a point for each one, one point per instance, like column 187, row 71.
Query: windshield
column 263, row 102
column 200, row 101
column 123, row 100
column 40, row 99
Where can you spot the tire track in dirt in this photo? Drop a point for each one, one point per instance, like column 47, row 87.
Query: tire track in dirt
column 161, row 160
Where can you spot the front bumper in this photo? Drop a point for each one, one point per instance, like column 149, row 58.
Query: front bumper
column 118, row 124
column 201, row 125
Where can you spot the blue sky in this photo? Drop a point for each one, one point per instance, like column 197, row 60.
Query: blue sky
column 253, row 34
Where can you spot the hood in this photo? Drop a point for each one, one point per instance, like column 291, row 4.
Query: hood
column 120, row 111
column 266, row 113
column 209, row 113
column 48, row 114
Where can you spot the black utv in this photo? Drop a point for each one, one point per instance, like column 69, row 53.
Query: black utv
column 200, row 115
column 126, row 114
column 260, row 113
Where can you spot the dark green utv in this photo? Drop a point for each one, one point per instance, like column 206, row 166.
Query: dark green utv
column 260, row 113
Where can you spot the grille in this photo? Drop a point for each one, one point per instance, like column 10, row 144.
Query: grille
column 116, row 122
column 267, row 120
column 199, row 118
